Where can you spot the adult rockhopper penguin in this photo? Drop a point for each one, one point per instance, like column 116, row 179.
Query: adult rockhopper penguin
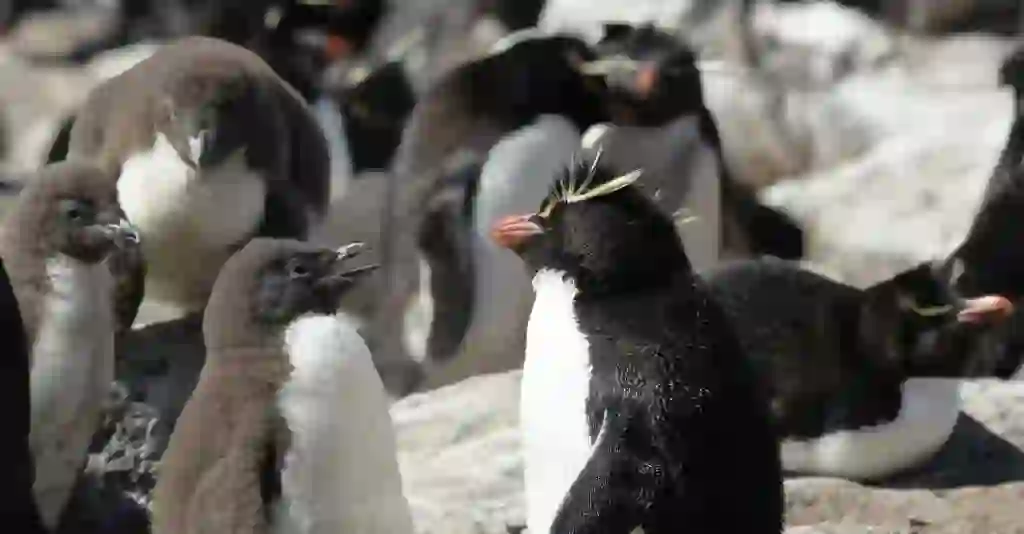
column 639, row 409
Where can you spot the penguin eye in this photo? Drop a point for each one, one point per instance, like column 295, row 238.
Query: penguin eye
column 75, row 211
column 297, row 271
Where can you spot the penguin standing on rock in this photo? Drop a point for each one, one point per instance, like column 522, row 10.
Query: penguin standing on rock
column 657, row 103
column 530, row 87
column 288, row 429
column 209, row 148
column 863, row 383
column 639, row 409
column 54, row 244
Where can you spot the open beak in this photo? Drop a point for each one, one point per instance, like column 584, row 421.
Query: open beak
column 121, row 233
column 990, row 309
column 348, row 252
column 514, row 231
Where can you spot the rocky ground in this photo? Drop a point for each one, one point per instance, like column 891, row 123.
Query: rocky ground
column 879, row 143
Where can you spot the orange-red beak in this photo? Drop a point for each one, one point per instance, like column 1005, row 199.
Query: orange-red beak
column 987, row 309
column 337, row 47
column 512, row 232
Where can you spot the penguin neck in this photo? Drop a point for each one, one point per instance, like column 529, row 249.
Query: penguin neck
column 341, row 471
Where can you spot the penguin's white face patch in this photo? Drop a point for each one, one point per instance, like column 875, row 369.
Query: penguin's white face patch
column 926, row 419
column 553, row 403
column 341, row 472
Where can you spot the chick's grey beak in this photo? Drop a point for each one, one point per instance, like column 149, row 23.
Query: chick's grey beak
column 122, row 233
column 348, row 252
column 514, row 231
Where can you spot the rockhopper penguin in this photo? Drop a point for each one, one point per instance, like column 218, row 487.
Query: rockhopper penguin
column 654, row 84
column 529, row 86
column 54, row 244
column 288, row 429
column 862, row 382
column 208, row 148
column 638, row 408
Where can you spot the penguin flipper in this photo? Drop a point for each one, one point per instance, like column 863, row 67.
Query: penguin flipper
column 229, row 497
column 768, row 231
column 614, row 489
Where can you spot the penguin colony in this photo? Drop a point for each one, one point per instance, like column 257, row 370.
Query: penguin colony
column 509, row 224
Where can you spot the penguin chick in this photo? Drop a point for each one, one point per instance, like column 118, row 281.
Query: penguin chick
column 18, row 511
column 54, row 244
column 638, row 407
column 288, row 429
column 210, row 148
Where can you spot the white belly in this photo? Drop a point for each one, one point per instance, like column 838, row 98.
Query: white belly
column 341, row 472
column 72, row 369
column 555, row 386
column 927, row 416
column 187, row 223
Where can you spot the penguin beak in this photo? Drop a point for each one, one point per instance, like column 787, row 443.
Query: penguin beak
column 121, row 233
column 990, row 309
column 515, row 231
column 341, row 276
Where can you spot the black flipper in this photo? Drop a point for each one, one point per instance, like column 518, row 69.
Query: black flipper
column 768, row 231
column 445, row 239
column 616, row 487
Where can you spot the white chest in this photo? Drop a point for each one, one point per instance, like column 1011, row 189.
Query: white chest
column 926, row 419
column 341, row 472
column 72, row 368
column 187, row 216
column 555, row 386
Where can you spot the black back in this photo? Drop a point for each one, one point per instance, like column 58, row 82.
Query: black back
column 833, row 357
column 375, row 111
column 18, row 508
column 685, row 437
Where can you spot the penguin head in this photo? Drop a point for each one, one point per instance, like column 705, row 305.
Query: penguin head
column 529, row 74
column 271, row 282
column 71, row 209
column 598, row 228
column 1011, row 71
column 915, row 320
column 652, row 76
column 376, row 103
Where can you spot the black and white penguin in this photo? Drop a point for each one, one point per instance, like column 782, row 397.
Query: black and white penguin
column 288, row 428
column 54, row 246
column 209, row 148
column 989, row 260
column 639, row 410
column 654, row 83
column 861, row 381
column 18, row 511
column 530, row 87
